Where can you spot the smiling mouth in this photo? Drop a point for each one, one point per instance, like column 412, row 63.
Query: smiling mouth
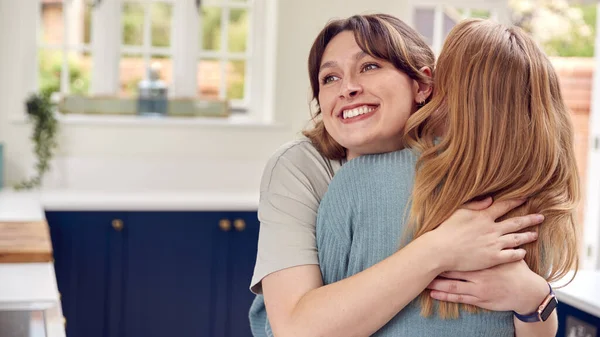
column 358, row 111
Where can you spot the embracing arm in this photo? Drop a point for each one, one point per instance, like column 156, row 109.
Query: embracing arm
column 540, row 329
column 507, row 287
column 299, row 305
column 533, row 297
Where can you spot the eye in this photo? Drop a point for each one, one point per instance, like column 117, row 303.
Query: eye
column 329, row 78
column 370, row 66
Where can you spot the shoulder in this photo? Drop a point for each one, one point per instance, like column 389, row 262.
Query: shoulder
column 298, row 160
column 372, row 167
column 371, row 176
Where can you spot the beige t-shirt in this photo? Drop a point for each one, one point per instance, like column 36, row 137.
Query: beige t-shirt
column 293, row 182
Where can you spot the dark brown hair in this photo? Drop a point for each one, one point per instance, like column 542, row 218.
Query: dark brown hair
column 381, row 36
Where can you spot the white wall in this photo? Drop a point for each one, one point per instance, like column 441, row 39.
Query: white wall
column 122, row 157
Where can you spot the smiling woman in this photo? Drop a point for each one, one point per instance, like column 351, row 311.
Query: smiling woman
column 370, row 70
column 378, row 97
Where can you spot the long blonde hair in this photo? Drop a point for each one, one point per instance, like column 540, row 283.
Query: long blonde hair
column 507, row 135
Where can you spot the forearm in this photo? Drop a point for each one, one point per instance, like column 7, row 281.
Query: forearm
column 360, row 305
column 538, row 291
column 539, row 329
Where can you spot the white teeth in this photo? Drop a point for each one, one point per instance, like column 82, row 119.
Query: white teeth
column 357, row 111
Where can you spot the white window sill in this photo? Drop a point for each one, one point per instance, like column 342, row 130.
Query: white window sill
column 234, row 121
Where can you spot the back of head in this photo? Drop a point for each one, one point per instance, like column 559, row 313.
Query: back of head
column 507, row 134
column 381, row 36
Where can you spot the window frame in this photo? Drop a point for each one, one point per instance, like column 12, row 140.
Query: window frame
column 498, row 9
column 106, row 48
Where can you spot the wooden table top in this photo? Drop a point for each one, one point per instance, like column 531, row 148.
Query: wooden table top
column 22, row 242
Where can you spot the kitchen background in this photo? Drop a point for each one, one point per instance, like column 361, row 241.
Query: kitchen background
column 152, row 211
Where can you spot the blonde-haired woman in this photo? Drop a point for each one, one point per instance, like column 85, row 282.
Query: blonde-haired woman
column 507, row 134
column 496, row 127
column 368, row 73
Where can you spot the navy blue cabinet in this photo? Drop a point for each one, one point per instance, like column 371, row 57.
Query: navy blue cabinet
column 573, row 322
column 149, row 274
column 82, row 248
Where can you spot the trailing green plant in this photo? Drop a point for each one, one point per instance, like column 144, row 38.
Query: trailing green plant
column 44, row 133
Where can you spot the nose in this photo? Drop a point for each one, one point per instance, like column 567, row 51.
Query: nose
column 350, row 88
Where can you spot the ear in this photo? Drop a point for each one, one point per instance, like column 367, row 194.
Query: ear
column 424, row 90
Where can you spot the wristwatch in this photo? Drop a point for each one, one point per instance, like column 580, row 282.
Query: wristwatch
column 543, row 311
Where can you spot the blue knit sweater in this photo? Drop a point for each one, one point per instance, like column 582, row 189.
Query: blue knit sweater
column 361, row 222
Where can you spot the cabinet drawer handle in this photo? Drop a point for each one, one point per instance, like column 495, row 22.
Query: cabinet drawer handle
column 117, row 224
column 225, row 225
column 239, row 225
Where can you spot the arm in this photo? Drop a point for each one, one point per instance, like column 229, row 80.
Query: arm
column 299, row 305
column 512, row 286
column 536, row 291
column 548, row 328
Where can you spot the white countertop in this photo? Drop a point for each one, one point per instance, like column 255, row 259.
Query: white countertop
column 583, row 292
column 17, row 204
column 29, row 286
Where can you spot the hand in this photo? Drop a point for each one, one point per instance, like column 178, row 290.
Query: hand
column 471, row 239
column 511, row 286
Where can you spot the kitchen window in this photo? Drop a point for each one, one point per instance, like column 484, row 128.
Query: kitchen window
column 434, row 19
column 207, row 49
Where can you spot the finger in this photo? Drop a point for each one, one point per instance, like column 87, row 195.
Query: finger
column 451, row 286
column 514, row 240
column 511, row 255
column 479, row 205
column 499, row 208
column 516, row 224
column 457, row 275
column 455, row 298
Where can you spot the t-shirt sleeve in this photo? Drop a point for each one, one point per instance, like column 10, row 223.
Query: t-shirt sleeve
column 292, row 185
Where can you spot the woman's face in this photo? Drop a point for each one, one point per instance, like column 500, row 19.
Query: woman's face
column 364, row 101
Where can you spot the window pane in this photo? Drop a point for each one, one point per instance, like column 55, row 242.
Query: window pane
column 133, row 69
column 210, row 30
column 52, row 22
column 80, row 71
column 161, row 24
column 131, row 72
column 133, row 24
column 236, row 71
column 87, row 24
column 478, row 13
column 49, row 70
column 209, row 78
column 424, row 17
column 238, row 29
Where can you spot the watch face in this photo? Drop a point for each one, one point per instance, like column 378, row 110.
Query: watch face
column 548, row 309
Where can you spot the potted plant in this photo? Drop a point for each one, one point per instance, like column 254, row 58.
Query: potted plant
column 45, row 126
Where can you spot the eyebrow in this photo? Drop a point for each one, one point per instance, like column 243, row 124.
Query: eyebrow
column 330, row 64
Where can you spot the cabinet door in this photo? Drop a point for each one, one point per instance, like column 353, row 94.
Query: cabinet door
column 82, row 256
column 574, row 322
column 170, row 262
column 243, row 240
